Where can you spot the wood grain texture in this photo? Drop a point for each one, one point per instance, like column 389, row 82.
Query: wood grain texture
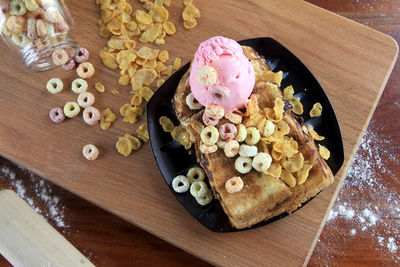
column 341, row 54
column 26, row 239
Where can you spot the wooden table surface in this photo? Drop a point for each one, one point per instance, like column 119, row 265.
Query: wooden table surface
column 364, row 225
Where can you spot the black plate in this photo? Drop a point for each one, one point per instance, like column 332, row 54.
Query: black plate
column 172, row 159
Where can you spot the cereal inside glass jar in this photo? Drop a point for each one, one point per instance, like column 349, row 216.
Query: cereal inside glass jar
column 38, row 31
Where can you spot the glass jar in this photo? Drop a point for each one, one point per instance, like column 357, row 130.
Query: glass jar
column 39, row 31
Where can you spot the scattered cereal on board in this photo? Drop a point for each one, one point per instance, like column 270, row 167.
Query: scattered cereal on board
column 55, row 85
column 107, row 117
column 90, row 152
column 57, row 115
column 71, row 109
column 99, row 87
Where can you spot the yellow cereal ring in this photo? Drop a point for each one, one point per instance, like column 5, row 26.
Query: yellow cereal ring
column 54, row 85
column 180, row 184
column 192, row 102
column 209, row 135
column 234, row 185
column 17, row 7
column 71, row 109
column 253, row 136
column 241, row 133
column 31, row 5
column 206, row 199
column 195, row 174
column 79, row 86
column 198, row 189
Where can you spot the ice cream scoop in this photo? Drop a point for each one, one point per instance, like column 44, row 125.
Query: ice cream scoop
column 221, row 74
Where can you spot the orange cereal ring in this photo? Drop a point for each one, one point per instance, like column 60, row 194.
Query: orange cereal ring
column 234, row 185
column 60, row 57
column 214, row 111
column 85, row 70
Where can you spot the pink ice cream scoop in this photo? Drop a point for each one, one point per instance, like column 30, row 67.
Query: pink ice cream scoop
column 221, row 74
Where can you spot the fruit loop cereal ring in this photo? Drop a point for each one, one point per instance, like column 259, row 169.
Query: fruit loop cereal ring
column 221, row 143
column 220, row 93
column 214, row 111
column 90, row 152
column 180, row 184
column 209, row 121
column 61, row 27
column 31, row 5
column 60, row 57
column 248, row 151
column 242, row 133
column 71, row 109
column 234, row 118
column 234, row 185
column 31, row 29
column 192, row 102
column 198, row 189
column 85, row 99
column 83, row 55
column 85, row 70
column 17, row 7
column 209, row 135
column 195, row 174
column 57, row 115
column 53, row 15
column 41, row 28
column 79, row 86
column 207, row 76
column 69, row 65
column 91, row 115
column 253, row 136
column 243, row 164
column 208, row 149
column 227, row 131
column 262, row 161
column 4, row 7
column 206, row 199
column 269, row 128
column 16, row 24
column 35, row 14
column 231, row 148
column 54, row 85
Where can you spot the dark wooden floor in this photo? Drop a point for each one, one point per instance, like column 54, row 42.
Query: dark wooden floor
column 364, row 225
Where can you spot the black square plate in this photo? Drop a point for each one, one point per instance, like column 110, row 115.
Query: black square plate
column 172, row 159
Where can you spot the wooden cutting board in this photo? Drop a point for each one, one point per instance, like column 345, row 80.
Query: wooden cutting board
column 352, row 63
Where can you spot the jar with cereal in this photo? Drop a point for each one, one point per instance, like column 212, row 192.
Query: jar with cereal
column 39, row 31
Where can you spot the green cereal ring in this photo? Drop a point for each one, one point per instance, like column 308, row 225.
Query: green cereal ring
column 195, row 174
column 17, row 7
column 31, row 5
column 71, row 109
column 206, row 199
column 79, row 86
column 54, row 86
column 198, row 189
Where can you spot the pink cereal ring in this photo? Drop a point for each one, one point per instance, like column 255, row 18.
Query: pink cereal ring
column 214, row 111
column 227, row 131
column 220, row 93
column 69, row 65
column 83, row 55
column 91, row 115
column 209, row 121
column 4, row 7
column 57, row 115
column 61, row 27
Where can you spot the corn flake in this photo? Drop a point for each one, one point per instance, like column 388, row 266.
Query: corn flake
column 150, row 34
column 135, row 142
column 160, row 82
column 146, row 93
column 314, row 134
column 106, row 118
column 180, row 134
column 169, row 27
column 288, row 178
column 124, row 79
column 288, row 92
column 324, row 152
column 302, row 174
column 316, row 110
column 190, row 12
column 142, row 17
column 142, row 132
column 294, row 163
column 163, row 56
column 136, row 100
column 190, row 24
column 177, row 63
column 99, row 87
column 124, row 109
column 114, row 92
column 124, row 146
column 147, row 53
column 296, row 105
column 274, row 170
column 166, row 124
